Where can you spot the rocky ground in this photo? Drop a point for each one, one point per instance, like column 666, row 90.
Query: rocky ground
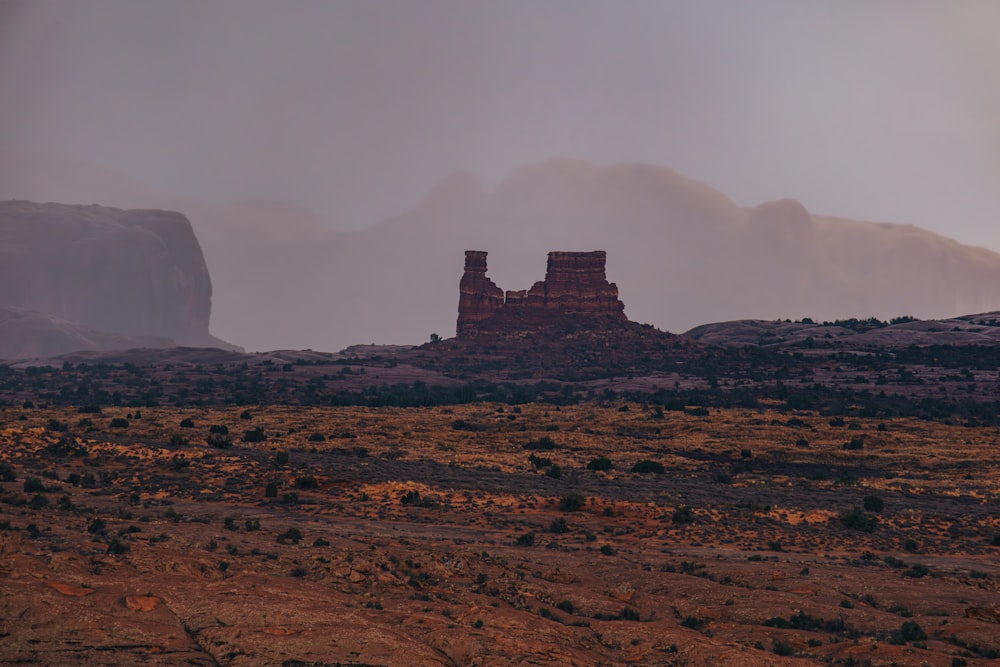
column 490, row 534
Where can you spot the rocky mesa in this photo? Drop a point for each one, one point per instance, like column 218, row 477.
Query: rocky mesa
column 575, row 284
column 130, row 273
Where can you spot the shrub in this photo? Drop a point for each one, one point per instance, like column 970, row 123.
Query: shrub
column 647, row 466
column 117, row 547
column 600, row 463
column 797, row 621
column 306, row 482
column 629, row 614
column 187, row 423
column 271, row 490
column 219, row 429
column 7, row 473
column 118, row 422
column 555, row 472
column 34, row 485
column 280, row 458
column 909, row 631
column 783, row 649
column 574, row 502
column 97, row 526
column 856, row 519
column 290, row 536
column 411, row 497
column 254, row 435
column 463, row 425
column 38, row 502
column 565, row 606
column 874, row 504
column 682, row 515
column 543, row 444
column 539, row 461
column 525, row 540
column 320, row 542
column 56, row 425
column 246, row 415
column 253, row 524
column 693, row 622
column 917, row 571
column 317, row 437
column 857, row 442
column 219, row 442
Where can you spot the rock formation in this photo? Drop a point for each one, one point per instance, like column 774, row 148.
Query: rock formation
column 575, row 284
column 127, row 272
column 478, row 297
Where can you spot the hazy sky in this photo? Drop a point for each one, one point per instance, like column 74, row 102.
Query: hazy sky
column 880, row 110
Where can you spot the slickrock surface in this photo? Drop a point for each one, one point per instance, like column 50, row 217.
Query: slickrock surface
column 490, row 534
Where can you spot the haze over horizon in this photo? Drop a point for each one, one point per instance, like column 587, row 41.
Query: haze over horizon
column 881, row 111
column 313, row 144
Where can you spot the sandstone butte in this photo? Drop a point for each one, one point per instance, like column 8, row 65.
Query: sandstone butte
column 575, row 284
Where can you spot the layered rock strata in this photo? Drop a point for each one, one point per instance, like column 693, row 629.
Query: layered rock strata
column 575, row 284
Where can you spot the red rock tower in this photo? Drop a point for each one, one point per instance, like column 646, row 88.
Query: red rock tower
column 575, row 284
column 478, row 297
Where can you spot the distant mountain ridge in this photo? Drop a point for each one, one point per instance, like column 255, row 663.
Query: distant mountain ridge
column 681, row 253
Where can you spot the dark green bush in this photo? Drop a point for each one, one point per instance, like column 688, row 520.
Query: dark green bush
column 539, row 461
column 219, row 442
column 525, row 540
column 682, row 515
column 306, row 482
column 254, row 435
column 783, row 649
column 545, row 443
column 856, row 519
column 647, row 466
column 874, row 504
column 34, row 485
column 573, row 502
column 290, row 536
column 600, row 463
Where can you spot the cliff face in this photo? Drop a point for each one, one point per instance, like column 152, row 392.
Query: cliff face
column 575, row 284
column 133, row 273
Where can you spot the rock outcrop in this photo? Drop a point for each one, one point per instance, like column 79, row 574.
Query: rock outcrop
column 478, row 297
column 132, row 273
column 575, row 284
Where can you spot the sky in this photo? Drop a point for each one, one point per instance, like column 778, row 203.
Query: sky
column 871, row 109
